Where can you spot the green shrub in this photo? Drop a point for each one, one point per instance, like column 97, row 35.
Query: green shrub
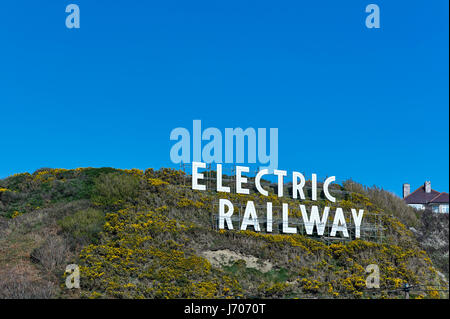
column 115, row 189
column 84, row 226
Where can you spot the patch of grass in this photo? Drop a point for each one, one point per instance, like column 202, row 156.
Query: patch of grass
column 277, row 275
column 239, row 269
column 112, row 190
column 84, row 226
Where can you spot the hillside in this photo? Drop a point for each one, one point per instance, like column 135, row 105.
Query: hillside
column 138, row 234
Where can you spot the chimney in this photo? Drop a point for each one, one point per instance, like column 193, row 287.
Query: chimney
column 406, row 190
column 427, row 187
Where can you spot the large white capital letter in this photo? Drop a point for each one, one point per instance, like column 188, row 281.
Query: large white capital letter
column 220, row 187
column 241, row 179
column 357, row 218
column 327, row 182
column 196, row 176
column 260, row 174
column 250, row 217
column 286, row 228
column 339, row 223
column 298, row 188
column 225, row 216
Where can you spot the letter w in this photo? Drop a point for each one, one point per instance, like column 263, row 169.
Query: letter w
column 314, row 219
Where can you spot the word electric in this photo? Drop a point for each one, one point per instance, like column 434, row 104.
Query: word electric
column 314, row 221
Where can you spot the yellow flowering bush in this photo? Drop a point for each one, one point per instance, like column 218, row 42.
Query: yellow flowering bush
column 156, row 182
column 185, row 202
column 135, row 262
column 16, row 214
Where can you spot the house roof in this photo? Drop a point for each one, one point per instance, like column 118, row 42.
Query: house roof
column 441, row 198
column 419, row 196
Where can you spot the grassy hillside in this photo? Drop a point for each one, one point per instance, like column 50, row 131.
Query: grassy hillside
column 138, row 234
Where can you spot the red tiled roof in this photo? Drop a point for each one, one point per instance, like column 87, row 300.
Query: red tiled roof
column 441, row 198
column 419, row 196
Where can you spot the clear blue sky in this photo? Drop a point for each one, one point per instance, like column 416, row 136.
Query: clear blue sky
column 348, row 101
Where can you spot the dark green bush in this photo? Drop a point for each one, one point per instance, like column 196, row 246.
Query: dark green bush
column 115, row 189
column 84, row 226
